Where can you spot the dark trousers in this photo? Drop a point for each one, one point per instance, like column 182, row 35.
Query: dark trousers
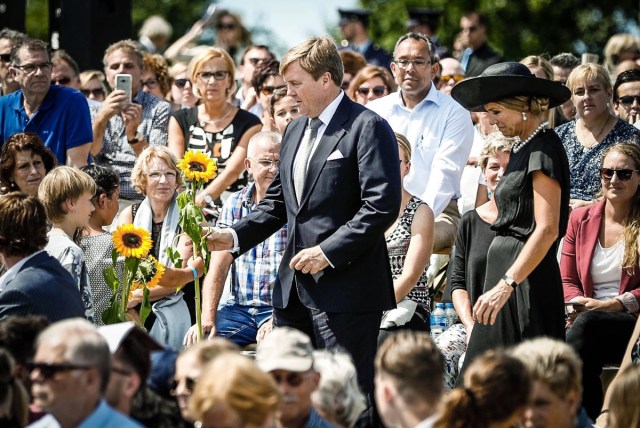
column 356, row 333
column 599, row 338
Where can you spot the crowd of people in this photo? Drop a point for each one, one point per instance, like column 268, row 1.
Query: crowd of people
column 344, row 172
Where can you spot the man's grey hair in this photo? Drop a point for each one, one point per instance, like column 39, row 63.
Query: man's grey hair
column 269, row 137
column 420, row 38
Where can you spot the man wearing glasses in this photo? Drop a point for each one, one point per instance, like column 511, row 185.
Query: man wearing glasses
column 477, row 54
column 439, row 130
column 8, row 38
column 251, row 58
column 626, row 97
column 69, row 374
column 59, row 115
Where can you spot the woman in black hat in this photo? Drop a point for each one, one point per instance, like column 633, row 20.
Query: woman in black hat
column 523, row 290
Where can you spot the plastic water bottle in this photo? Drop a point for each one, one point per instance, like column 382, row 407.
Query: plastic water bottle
column 451, row 314
column 438, row 321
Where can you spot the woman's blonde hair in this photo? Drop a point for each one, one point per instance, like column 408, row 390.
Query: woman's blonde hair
column 617, row 44
column 631, row 259
column 404, row 145
column 589, row 72
column 198, row 61
column 624, row 411
column 494, row 142
column 234, row 381
column 523, row 103
column 61, row 184
column 538, row 61
column 141, row 167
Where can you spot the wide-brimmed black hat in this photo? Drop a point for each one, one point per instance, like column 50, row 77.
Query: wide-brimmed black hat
column 507, row 80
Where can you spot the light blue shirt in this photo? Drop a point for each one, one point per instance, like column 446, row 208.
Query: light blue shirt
column 441, row 135
column 103, row 417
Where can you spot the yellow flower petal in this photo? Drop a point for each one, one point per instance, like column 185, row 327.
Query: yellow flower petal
column 131, row 241
column 198, row 166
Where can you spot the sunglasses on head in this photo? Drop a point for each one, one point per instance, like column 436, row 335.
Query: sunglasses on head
column 49, row 370
column 97, row 92
column 5, row 57
column 223, row 26
column 61, row 81
column 181, row 83
column 190, row 384
column 378, row 91
column 456, row 77
column 293, row 379
column 269, row 90
column 622, row 174
column 628, row 100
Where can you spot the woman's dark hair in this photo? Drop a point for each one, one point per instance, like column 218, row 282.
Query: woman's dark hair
column 12, row 389
column 20, row 142
column 23, row 225
column 107, row 181
column 278, row 94
column 263, row 72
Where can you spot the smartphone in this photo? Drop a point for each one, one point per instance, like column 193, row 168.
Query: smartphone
column 574, row 304
column 123, row 82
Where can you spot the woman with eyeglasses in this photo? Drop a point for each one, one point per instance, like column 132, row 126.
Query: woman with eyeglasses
column 24, row 161
column 92, row 85
column 181, row 93
column 594, row 130
column 266, row 80
column 156, row 176
column 601, row 271
column 215, row 126
column 155, row 75
column 371, row 83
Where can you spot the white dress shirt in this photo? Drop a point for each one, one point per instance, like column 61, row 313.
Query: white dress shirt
column 441, row 135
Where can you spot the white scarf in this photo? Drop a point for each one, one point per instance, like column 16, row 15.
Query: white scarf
column 144, row 219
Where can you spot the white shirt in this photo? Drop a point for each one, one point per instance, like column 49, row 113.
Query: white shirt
column 441, row 135
column 11, row 273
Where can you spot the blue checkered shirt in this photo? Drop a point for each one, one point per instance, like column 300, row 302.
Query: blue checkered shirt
column 254, row 273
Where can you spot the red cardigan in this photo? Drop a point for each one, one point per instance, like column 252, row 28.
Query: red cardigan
column 577, row 252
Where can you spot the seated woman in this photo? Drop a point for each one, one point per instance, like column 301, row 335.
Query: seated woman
column 66, row 194
column 468, row 263
column 156, row 175
column 371, row 83
column 409, row 242
column 495, row 394
column 24, row 161
column 594, row 130
column 600, row 270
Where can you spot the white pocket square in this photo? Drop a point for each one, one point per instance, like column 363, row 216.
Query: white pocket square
column 335, row 155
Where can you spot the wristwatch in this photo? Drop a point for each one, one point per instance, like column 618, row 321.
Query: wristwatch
column 208, row 199
column 512, row 282
column 136, row 139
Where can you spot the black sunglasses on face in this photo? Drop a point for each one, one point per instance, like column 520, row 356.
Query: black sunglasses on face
column 622, row 174
column 61, row 81
column 269, row 90
column 98, row 92
column 190, row 384
column 49, row 370
column 181, row 83
column 378, row 91
column 293, row 379
column 628, row 100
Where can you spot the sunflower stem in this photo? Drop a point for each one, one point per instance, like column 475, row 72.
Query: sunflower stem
column 124, row 297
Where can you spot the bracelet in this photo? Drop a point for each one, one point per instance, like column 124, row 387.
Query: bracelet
column 510, row 281
column 195, row 272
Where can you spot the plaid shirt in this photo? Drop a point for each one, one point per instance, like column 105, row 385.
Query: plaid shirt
column 254, row 273
column 116, row 150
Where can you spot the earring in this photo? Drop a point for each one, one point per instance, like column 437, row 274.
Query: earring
column 524, row 116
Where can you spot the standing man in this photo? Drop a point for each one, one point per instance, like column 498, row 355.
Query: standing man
column 353, row 24
column 122, row 130
column 8, row 38
column 59, row 115
column 477, row 54
column 439, row 130
column 338, row 190
column 626, row 97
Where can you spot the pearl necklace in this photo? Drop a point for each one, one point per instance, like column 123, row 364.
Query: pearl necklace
column 520, row 144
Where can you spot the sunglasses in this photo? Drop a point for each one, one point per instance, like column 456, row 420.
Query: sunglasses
column 456, row 77
column 61, row 81
column 627, row 100
column 269, row 90
column 49, row 370
column 222, row 26
column 293, row 379
column 206, row 76
column 5, row 57
column 378, row 91
column 98, row 92
column 622, row 174
column 181, row 83
column 189, row 382
column 256, row 61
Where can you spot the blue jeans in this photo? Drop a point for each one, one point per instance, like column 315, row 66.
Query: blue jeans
column 239, row 323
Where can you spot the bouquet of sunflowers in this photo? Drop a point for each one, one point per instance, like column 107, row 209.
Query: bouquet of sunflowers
column 197, row 169
column 141, row 271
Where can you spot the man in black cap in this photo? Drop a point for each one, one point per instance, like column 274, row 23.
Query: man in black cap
column 353, row 24
column 425, row 20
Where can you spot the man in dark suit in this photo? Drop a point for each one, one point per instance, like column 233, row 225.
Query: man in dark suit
column 335, row 278
column 477, row 55
column 353, row 25
column 35, row 283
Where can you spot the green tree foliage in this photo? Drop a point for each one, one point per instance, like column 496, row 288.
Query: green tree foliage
column 516, row 28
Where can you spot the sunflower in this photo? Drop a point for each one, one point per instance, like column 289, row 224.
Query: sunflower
column 131, row 241
column 149, row 272
column 198, row 166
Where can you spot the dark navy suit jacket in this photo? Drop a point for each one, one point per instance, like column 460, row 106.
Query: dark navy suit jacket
column 42, row 287
column 347, row 204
